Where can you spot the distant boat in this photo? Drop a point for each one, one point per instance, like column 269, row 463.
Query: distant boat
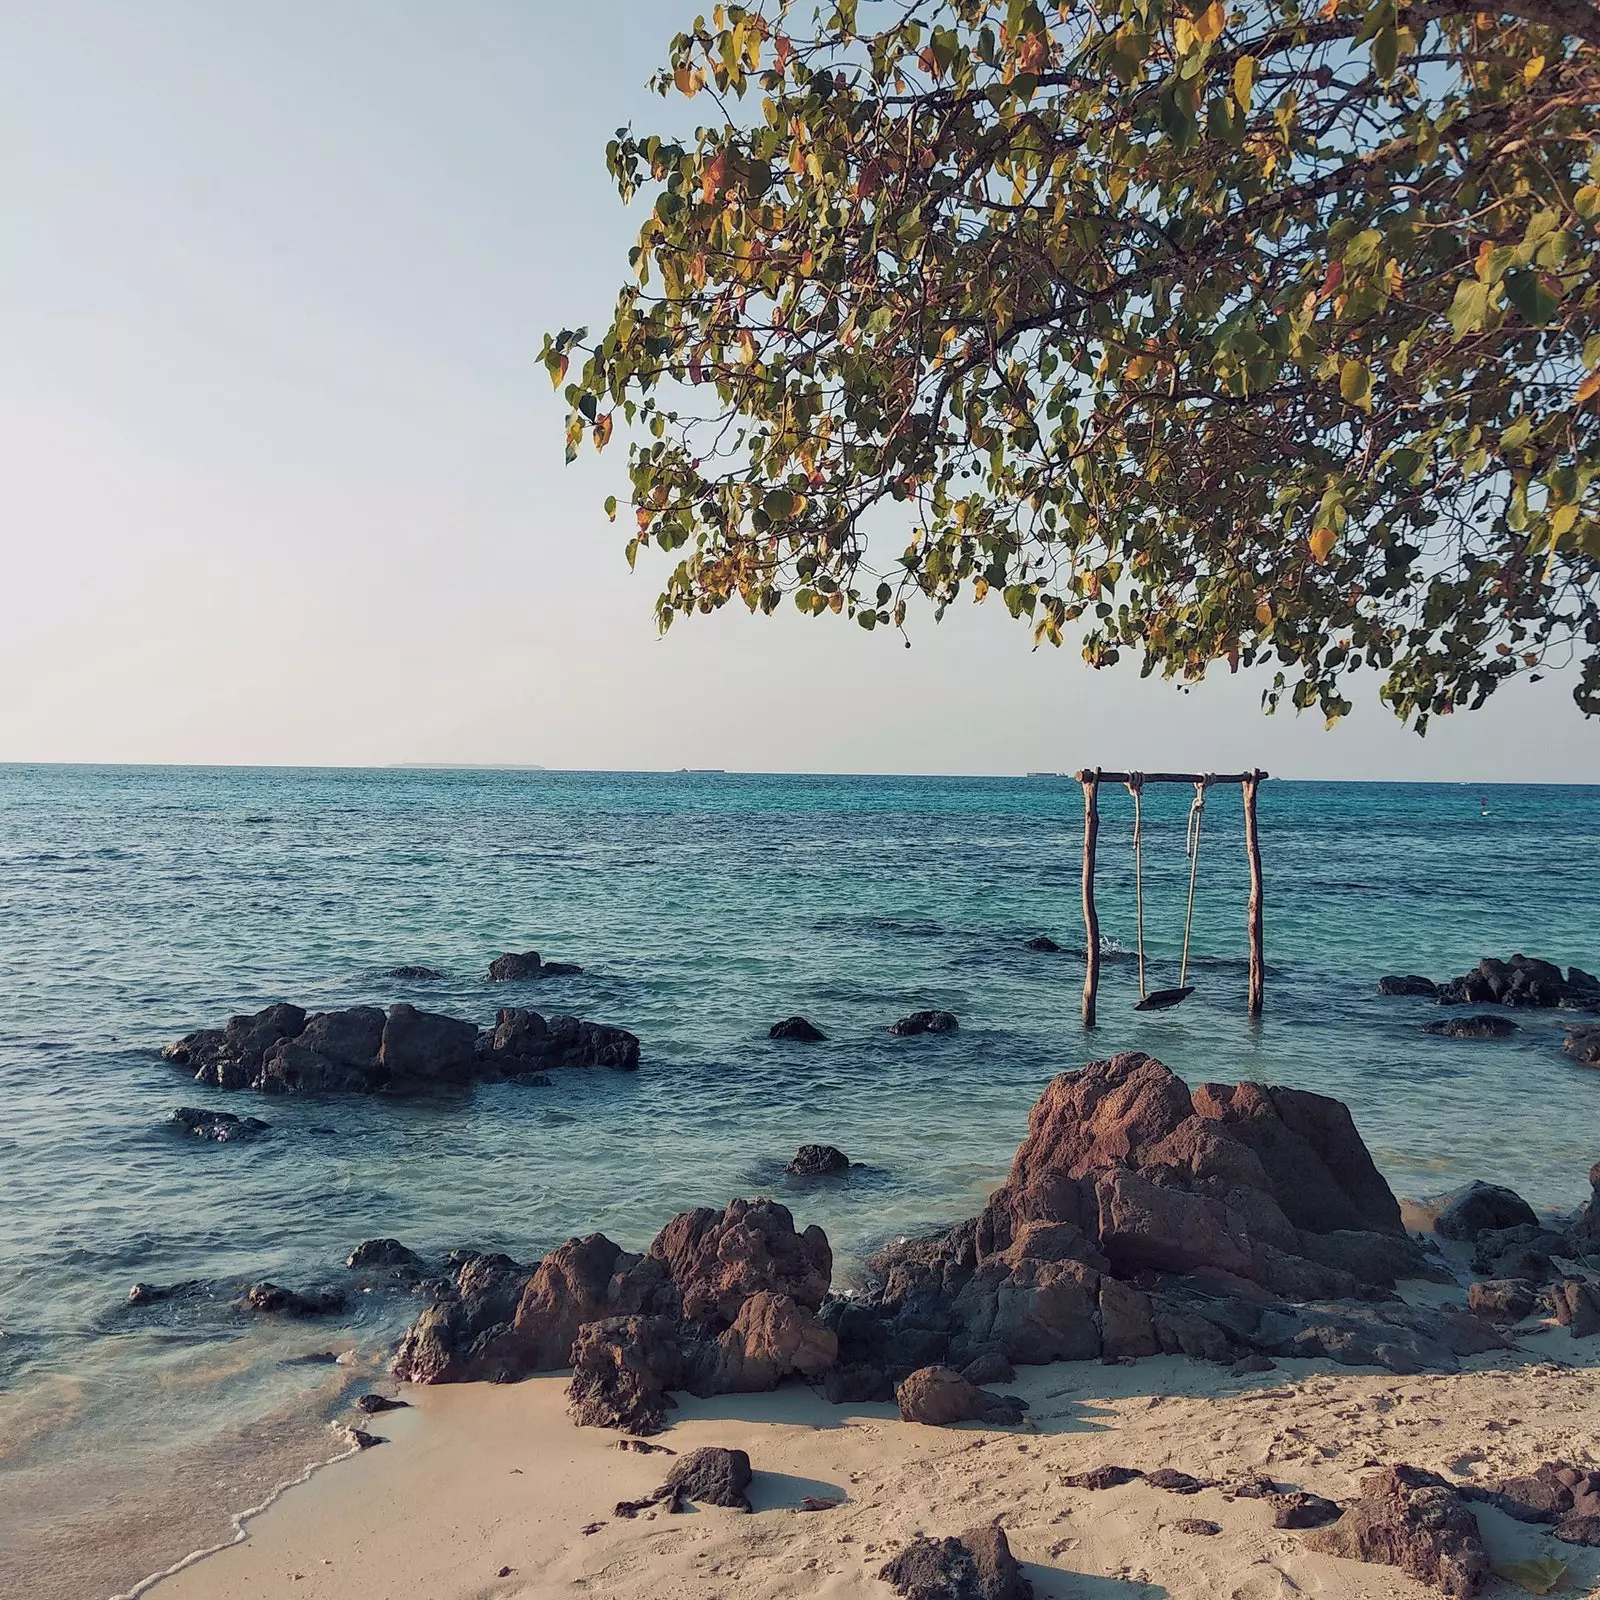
column 1047, row 774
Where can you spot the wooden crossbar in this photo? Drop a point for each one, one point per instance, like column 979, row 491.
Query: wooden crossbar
column 1168, row 777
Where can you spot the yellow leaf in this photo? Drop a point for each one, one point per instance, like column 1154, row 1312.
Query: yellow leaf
column 602, row 432
column 1533, row 69
column 1183, row 35
column 1322, row 543
column 559, row 371
column 1139, row 367
column 980, row 587
column 1562, row 520
column 1587, row 390
column 1264, row 613
column 687, row 81
column 1210, row 23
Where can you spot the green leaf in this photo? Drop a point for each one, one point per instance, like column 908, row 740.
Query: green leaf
column 1385, row 52
column 1533, row 296
column 1517, row 434
column 1469, row 308
column 1355, row 383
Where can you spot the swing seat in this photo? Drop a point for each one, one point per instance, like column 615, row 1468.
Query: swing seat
column 1165, row 999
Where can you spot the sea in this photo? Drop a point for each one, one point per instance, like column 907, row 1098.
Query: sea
column 138, row 903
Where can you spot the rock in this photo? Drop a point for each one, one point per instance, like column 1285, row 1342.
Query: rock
column 1503, row 1299
column 845, row 1385
column 509, row 968
column 335, row 1052
column 719, row 1259
column 1198, row 1526
column 372, row 1404
column 221, row 1126
column 363, row 1440
column 1583, row 1044
column 414, row 974
column 1520, row 1252
column 1555, row 1493
column 1175, row 1482
column 926, row 1022
column 1577, row 1307
column 1411, row 985
column 1466, row 1213
column 1585, row 986
column 1107, row 1477
column 939, row 1397
column 424, row 1047
column 231, row 1058
column 1474, row 1027
column 1413, row 1520
column 591, row 1044
column 272, row 1297
column 1248, row 1365
column 1298, row 1509
column 797, row 1029
column 149, row 1294
column 1045, row 946
column 977, row 1566
column 1520, row 981
column 989, row 1367
column 622, row 1371
column 711, row 1477
column 818, row 1161
column 373, row 1255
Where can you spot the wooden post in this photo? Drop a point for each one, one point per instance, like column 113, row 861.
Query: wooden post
column 1091, row 918
column 1252, row 844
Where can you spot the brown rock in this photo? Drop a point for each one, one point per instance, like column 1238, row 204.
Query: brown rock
column 977, row 1566
column 1577, row 1307
column 771, row 1338
column 1413, row 1520
column 939, row 1397
column 712, row 1477
column 622, row 1371
column 719, row 1259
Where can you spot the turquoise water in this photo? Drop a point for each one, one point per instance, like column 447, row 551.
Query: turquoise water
column 138, row 903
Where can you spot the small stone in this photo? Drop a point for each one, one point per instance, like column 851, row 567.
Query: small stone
column 364, row 1440
column 1107, row 1477
column 372, row 1404
column 798, row 1030
column 1298, row 1509
column 818, row 1161
column 1199, row 1526
column 1175, row 1482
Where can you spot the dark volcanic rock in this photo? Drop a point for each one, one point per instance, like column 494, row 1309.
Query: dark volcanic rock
column 231, row 1057
column 1201, row 1526
column 273, row 1297
column 1520, row 981
column 1045, row 946
column 372, row 1404
column 926, row 1022
column 711, row 1477
column 1413, row 1520
column 221, row 1126
column 386, row 1255
column 508, row 968
column 591, row 1044
column 336, row 1052
column 414, row 974
column 977, row 1566
column 1410, row 985
column 1106, row 1477
column 1555, row 1493
column 797, row 1029
column 149, row 1294
column 1468, row 1212
column 939, row 1397
column 1473, row 1027
column 424, row 1047
column 1520, row 1252
column 1299, row 1509
column 818, row 1161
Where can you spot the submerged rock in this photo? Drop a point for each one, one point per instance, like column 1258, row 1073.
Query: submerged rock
column 513, row 967
column 1416, row 1521
column 1413, row 984
column 1583, row 1044
column 272, row 1297
column 220, row 1126
column 797, row 1029
column 818, row 1161
column 1520, row 981
column 414, row 974
column 1476, row 1027
column 1043, row 944
column 926, row 1022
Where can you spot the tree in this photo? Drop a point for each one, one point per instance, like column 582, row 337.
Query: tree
column 1211, row 334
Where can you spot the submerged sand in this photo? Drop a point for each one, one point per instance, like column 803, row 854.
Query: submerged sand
column 485, row 1492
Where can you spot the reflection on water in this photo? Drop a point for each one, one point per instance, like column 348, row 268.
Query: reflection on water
column 140, row 903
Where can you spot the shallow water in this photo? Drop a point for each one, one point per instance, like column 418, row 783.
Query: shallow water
column 138, row 903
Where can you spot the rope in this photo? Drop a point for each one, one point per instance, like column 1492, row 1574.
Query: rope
column 1197, row 813
column 1135, row 787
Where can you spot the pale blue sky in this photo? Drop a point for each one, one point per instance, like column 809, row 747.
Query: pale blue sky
column 281, row 479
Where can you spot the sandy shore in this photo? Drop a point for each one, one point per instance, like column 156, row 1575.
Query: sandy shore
column 485, row 1492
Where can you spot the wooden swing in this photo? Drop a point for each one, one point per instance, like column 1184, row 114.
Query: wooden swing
column 1163, row 999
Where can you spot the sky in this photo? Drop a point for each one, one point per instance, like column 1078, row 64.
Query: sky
column 282, row 480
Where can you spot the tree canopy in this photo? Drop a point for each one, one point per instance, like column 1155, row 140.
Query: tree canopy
column 1193, row 332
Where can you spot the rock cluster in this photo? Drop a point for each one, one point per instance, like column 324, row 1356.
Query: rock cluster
column 362, row 1050
column 721, row 1303
column 1564, row 1497
column 1517, row 1256
column 1140, row 1217
column 926, row 1022
column 1519, row 981
column 221, row 1127
column 1416, row 1521
column 1583, row 1044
